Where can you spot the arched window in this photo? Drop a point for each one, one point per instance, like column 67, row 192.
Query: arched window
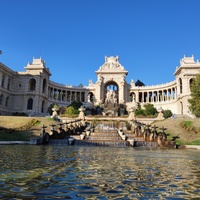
column 44, row 86
column 111, row 92
column 7, row 100
column 32, row 84
column 8, row 85
column 180, row 85
column 30, row 104
column 3, row 81
column 132, row 97
column 1, row 99
column 90, row 97
column 190, row 83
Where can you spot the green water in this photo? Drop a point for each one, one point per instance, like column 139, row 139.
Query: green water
column 75, row 172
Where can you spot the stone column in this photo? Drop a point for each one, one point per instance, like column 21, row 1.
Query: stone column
column 70, row 96
column 121, row 93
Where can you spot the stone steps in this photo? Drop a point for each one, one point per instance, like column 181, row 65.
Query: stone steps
column 103, row 138
column 145, row 144
column 104, row 134
column 111, row 143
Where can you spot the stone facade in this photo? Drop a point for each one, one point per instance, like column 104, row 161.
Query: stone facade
column 32, row 91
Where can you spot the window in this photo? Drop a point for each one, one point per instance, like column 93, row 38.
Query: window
column 3, row 81
column 1, row 99
column 8, row 85
column 181, row 86
column 7, row 100
column 44, row 86
column 32, row 84
column 30, row 104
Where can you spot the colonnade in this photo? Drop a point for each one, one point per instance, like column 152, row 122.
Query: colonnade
column 66, row 95
column 153, row 96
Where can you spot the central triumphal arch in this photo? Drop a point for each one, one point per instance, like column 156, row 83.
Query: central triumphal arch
column 111, row 85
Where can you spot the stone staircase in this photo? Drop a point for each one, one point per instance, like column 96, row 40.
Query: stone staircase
column 139, row 141
column 110, row 138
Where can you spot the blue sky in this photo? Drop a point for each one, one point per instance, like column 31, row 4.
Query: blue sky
column 73, row 36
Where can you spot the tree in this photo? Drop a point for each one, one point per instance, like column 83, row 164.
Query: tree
column 139, row 111
column 195, row 96
column 76, row 104
column 72, row 109
column 150, row 109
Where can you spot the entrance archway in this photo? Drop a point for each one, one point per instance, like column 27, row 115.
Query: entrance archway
column 111, row 92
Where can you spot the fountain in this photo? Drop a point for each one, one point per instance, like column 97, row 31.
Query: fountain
column 108, row 131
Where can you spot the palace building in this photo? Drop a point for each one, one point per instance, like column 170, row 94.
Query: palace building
column 32, row 91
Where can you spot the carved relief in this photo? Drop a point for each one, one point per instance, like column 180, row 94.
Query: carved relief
column 111, row 63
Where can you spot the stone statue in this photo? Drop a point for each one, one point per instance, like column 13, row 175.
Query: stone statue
column 88, row 97
column 111, row 97
column 132, row 83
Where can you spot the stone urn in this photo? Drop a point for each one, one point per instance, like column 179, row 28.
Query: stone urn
column 132, row 113
column 87, row 133
column 82, row 112
column 55, row 112
column 160, row 114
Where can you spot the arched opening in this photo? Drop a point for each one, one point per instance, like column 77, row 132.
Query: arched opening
column 90, row 97
column 1, row 99
column 7, row 100
column 132, row 96
column 8, row 85
column 30, row 104
column 32, row 84
column 191, row 82
column 111, row 92
column 180, row 85
column 44, row 85
column 3, row 81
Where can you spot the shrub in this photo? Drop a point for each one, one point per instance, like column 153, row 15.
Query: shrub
column 62, row 110
column 167, row 113
column 139, row 111
column 150, row 109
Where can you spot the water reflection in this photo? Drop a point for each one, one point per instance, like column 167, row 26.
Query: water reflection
column 72, row 172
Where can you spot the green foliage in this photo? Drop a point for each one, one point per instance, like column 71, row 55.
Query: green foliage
column 76, row 104
column 188, row 123
column 195, row 142
column 150, row 109
column 139, row 111
column 33, row 122
column 167, row 113
column 195, row 96
column 51, row 119
column 62, row 110
column 72, row 109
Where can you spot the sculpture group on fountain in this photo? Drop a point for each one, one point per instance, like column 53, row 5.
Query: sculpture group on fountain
column 111, row 97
